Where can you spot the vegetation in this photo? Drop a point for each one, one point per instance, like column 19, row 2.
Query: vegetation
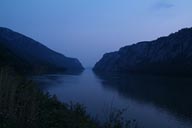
column 115, row 120
column 8, row 58
column 22, row 105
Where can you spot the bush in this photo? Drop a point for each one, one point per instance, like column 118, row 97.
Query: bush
column 23, row 105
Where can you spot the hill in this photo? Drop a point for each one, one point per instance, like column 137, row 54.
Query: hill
column 28, row 55
column 171, row 55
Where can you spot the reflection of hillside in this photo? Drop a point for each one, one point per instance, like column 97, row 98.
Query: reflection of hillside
column 173, row 94
column 46, row 80
column 74, row 72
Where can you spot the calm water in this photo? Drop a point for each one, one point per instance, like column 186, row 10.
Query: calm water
column 154, row 102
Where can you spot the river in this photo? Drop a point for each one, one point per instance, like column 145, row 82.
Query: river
column 153, row 101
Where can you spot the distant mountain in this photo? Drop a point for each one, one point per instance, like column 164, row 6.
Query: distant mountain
column 28, row 55
column 171, row 55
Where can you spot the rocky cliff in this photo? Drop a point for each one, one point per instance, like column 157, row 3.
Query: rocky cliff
column 166, row 55
column 29, row 55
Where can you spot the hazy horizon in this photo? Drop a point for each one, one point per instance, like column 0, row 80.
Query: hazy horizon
column 87, row 29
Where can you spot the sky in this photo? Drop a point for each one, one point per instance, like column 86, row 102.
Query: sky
column 86, row 29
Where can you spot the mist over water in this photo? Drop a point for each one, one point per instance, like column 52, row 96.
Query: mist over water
column 153, row 101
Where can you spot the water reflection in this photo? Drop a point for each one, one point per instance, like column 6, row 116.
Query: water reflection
column 171, row 93
column 47, row 80
column 155, row 102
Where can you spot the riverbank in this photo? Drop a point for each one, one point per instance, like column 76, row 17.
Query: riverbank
column 23, row 105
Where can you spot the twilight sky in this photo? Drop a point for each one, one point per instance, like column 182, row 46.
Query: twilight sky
column 86, row 29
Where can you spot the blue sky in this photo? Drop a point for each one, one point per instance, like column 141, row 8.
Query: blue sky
column 86, row 29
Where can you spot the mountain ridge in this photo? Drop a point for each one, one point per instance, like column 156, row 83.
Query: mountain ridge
column 36, row 55
column 165, row 55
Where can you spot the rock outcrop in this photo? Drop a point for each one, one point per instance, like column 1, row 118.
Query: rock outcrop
column 28, row 55
column 171, row 55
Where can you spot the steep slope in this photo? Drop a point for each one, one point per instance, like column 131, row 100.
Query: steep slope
column 33, row 54
column 166, row 55
column 8, row 59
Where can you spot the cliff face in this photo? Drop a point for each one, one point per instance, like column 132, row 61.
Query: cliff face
column 166, row 55
column 32, row 54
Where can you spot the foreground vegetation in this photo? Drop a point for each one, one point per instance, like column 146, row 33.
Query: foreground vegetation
column 22, row 105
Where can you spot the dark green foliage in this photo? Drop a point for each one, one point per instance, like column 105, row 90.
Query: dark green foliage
column 115, row 119
column 22, row 105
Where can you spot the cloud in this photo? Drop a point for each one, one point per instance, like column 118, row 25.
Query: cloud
column 162, row 5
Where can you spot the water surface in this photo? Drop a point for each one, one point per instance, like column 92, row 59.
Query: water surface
column 153, row 101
